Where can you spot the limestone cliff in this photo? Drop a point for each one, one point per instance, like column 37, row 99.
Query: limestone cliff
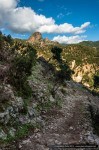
column 84, row 73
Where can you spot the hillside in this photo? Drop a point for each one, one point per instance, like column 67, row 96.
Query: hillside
column 94, row 44
column 83, row 60
column 40, row 105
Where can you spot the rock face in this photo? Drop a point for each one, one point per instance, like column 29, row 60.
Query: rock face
column 36, row 37
column 84, row 73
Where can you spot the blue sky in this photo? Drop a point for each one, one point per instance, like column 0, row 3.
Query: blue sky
column 65, row 21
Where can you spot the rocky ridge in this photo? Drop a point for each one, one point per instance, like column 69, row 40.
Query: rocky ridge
column 37, row 39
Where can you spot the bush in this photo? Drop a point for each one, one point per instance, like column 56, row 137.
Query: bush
column 65, row 71
column 8, row 39
column 56, row 53
column 21, row 68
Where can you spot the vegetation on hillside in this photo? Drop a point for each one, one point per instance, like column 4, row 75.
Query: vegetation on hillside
column 30, row 87
column 21, row 56
column 91, row 43
column 23, row 81
column 18, row 58
column 79, row 57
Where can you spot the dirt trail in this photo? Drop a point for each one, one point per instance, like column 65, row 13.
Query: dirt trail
column 71, row 124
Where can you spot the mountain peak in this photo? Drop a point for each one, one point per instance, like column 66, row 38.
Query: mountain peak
column 35, row 37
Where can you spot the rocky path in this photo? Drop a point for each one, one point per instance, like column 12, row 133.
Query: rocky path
column 71, row 124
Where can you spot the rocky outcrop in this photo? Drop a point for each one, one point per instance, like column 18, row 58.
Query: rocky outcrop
column 84, row 73
column 13, row 112
column 35, row 37
column 47, row 40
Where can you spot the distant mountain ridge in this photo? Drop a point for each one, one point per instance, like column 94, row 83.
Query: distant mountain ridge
column 90, row 43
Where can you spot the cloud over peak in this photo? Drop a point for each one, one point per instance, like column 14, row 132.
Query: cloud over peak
column 24, row 19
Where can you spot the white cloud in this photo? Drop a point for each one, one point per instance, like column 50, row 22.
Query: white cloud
column 69, row 40
column 24, row 19
column 5, row 7
column 21, row 19
column 63, row 28
column 8, row 4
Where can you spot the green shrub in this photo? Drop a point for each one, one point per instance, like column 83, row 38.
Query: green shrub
column 21, row 68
